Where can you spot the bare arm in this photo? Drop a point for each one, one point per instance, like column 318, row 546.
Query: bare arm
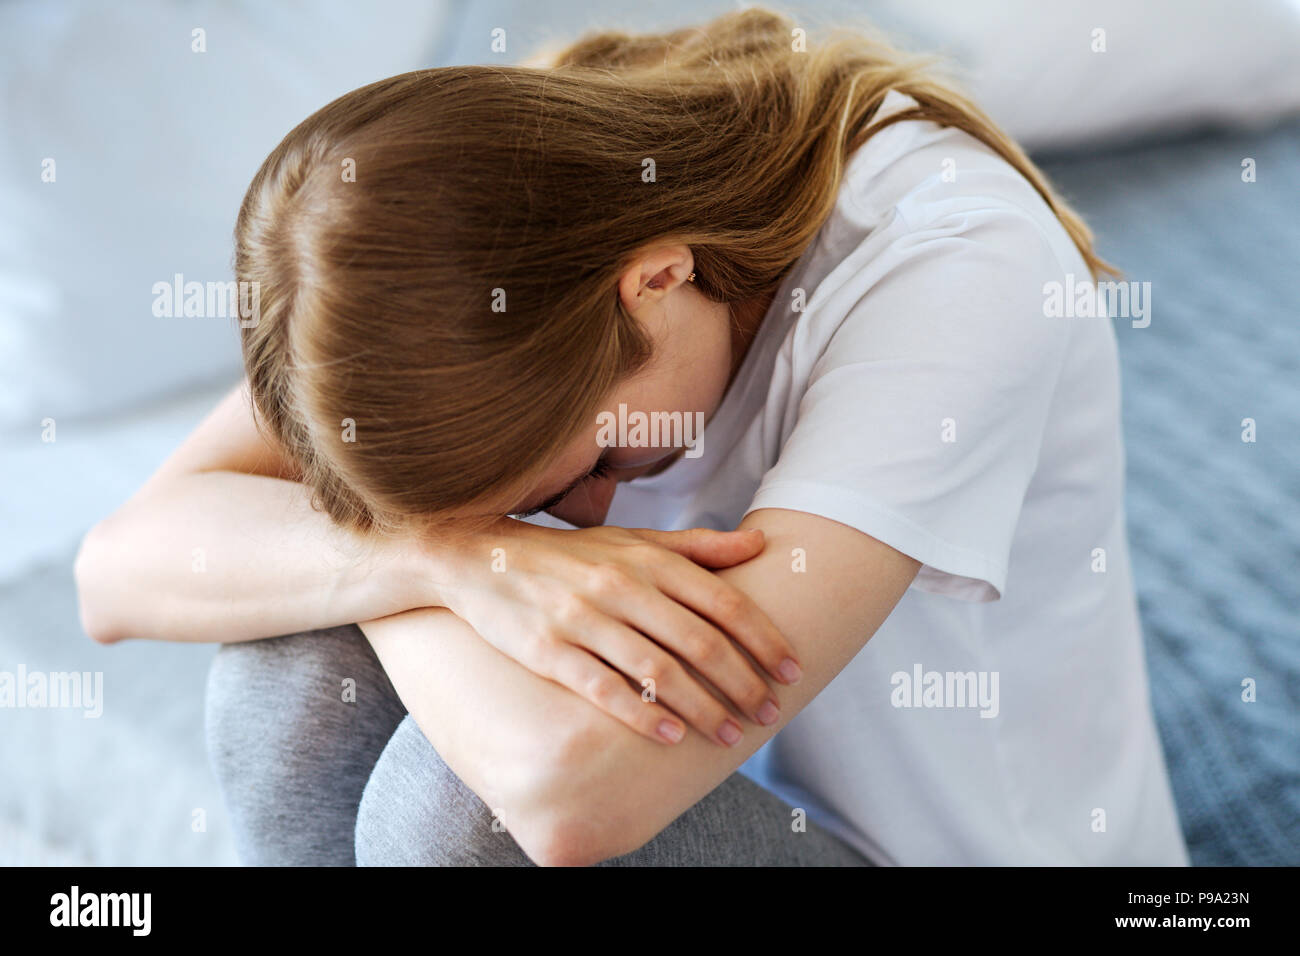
column 222, row 544
column 575, row 786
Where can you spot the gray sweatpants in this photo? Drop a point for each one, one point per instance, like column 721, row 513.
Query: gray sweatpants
column 313, row 779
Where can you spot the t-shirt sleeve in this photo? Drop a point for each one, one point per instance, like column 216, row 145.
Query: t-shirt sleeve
column 922, row 419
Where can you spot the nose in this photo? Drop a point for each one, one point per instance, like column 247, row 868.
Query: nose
column 587, row 505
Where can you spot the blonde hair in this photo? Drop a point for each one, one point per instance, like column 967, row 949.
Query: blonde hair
column 458, row 301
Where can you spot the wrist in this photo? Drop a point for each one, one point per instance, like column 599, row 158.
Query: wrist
column 439, row 565
column 425, row 570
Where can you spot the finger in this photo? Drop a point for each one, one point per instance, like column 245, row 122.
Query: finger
column 662, row 678
column 605, row 688
column 731, row 610
column 704, row 546
column 700, row 644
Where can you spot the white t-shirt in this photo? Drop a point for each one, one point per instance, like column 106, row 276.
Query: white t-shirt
column 922, row 396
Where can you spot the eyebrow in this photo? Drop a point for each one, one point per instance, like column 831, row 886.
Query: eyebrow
column 559, row 496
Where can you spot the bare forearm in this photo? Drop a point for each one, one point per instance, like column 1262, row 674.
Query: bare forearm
column 522, row 743
column 573, row 784
column 221, row 556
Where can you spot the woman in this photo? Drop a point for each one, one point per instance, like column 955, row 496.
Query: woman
column 496, row 292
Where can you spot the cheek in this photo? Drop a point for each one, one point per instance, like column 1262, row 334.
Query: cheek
column 586, row 506
column 709, row 373
column 701, row 387
column 693, row 380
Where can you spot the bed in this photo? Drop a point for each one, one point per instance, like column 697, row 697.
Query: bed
column 1214, row 521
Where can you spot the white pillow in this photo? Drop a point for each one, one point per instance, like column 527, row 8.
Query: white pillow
column 154, row 146
column 1167, row 65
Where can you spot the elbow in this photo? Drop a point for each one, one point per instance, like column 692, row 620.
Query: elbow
column 89, row 570
column 565, row 842
column 572, row 813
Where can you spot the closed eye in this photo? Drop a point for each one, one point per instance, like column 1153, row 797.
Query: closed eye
column 599, row 470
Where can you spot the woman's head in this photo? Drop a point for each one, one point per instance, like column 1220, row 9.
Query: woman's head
column 460, row 267
column 692, row 342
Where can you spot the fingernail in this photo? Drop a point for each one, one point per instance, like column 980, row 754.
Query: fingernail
column 729, row 733
column 670, row 731
column 769, row 713
column 789, row 671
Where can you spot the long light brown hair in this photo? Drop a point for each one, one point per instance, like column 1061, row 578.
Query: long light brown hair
column 455, row 299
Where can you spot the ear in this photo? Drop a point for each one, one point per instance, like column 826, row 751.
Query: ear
column 653, row 274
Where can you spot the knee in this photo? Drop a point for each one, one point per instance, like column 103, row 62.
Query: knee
column 235, row 701
column 320, row 690
column 416, row 812
column 256, row 717
column 241, row 728
column 293, row 726
column 255, row 700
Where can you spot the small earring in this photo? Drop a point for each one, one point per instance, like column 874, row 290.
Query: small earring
column 691, row 277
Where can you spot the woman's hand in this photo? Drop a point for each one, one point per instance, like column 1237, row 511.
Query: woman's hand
column 629, row 619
